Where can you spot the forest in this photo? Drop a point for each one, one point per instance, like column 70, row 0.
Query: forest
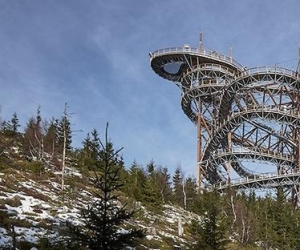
column 234, row 219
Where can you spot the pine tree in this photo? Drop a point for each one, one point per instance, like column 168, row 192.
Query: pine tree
column 104, row 218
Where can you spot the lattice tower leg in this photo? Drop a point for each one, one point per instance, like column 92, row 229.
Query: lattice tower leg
column 199, row 146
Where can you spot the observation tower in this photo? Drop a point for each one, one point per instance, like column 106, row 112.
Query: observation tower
column 248, row 120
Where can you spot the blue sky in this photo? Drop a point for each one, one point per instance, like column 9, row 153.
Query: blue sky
column 93, row 55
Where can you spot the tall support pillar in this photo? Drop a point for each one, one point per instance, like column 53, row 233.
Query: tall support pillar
column 296, row 138
column 298, row 155
column 296, row 190
column 229, row 137
column 297, row 186
column 199, row 146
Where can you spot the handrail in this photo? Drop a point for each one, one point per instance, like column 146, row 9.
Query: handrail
column 275, row 155
column 267, row 70
column 258, row 177
column 204, row 52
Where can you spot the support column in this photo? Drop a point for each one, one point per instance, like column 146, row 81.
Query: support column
column 298, row 155
column 296, row 189
column 199, row 146
column 228, row 167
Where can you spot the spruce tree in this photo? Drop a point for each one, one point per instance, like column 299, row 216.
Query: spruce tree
column 191, row 192
column 50, row 138
column 64, row 132
column 164, row 184
column 152, row 191
column 10, row 127
column 88, row 154
column 212, row 230
column 137, row 182
column 103, row 220
column 33, row 138
column 178, row 195
column 15, row 123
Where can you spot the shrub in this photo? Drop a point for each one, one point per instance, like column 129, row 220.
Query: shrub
column 14, row 202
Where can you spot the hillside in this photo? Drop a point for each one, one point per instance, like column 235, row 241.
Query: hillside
column 34, row 209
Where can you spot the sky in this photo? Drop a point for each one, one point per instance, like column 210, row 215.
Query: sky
column 93, row 55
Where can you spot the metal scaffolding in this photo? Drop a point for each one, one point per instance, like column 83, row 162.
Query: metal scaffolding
column 241, row 115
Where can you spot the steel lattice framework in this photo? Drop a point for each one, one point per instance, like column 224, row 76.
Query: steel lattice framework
column 242, row 115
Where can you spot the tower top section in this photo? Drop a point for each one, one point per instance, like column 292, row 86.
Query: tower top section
column 171, row 63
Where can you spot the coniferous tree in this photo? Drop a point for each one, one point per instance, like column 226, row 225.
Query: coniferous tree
column 50, row 138
column 84, row 159
column 64, row 132
column 164, row 184
column 10, row 127
column 94, row 143
column 191, row 192
column 15, row 123
column 64, row 140
column 87, row 145
column 3, row 126
column 277, row 222
column 284, row 221
column 33, row 137
column 211, row 231
column 152, row 192
column 88, row 154
column 137, row 182
column 178, row 195
column 105, row 217
column 266, row 221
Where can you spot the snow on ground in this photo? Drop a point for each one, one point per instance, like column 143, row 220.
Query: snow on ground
column 33, row 210
column 39, row 204
column 4, row 238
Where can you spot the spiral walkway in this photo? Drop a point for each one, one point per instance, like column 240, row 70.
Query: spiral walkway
column 248, row 120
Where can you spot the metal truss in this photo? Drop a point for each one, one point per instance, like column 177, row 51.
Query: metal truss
column 242, row 115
